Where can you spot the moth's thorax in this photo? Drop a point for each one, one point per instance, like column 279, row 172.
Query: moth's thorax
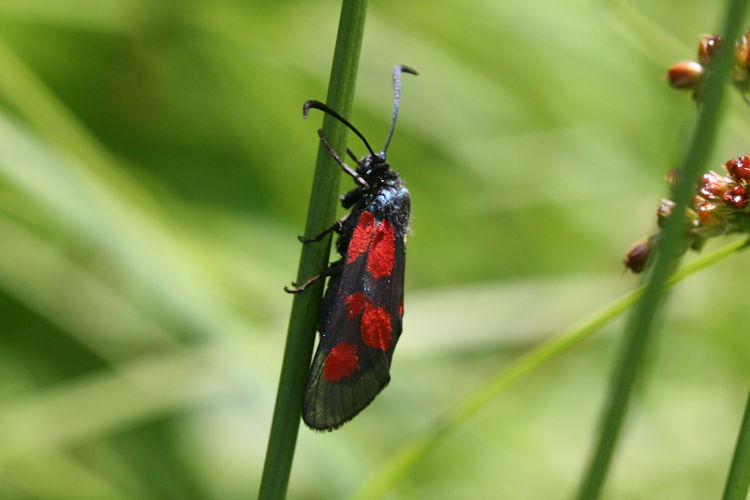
column 390, row 201
column 387, row 196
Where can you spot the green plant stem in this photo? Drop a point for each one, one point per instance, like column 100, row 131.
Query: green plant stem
column 738, row 481
column 314, row 258
column 639, row 328
column 410, row 454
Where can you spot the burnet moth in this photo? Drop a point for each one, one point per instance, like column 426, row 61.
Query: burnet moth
column 361, row 312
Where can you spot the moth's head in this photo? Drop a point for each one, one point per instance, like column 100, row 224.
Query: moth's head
column 371, row 165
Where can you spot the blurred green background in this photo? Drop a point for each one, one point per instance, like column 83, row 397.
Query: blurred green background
column 155, row 170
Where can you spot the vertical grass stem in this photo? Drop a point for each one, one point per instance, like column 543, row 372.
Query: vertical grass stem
column 738, row 481
column 639, row 328
column 314, row 258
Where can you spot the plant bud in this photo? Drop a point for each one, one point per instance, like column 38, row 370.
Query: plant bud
column 673, row 178
column 742, row 52
column 706, row 212
column 739, row 168
column 684, row 75
column 707, row 48
column 735, row 197
column 712, row 186
column 637, row 256
column 665, row 210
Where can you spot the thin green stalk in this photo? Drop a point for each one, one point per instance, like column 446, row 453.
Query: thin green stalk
column 640, row 325
column 314, row 258
column 410, row 454
column 738, row 482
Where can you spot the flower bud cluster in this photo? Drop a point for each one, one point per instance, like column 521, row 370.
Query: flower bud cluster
column 719, row 206
column 690, row 75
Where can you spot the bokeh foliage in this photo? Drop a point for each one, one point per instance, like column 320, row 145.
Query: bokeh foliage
column 155, row 169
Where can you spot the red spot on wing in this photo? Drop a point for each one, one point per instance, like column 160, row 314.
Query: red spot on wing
column 354, row 304
column 341, row 362
column 376, row 327
column 383, row 251
column 361, row 237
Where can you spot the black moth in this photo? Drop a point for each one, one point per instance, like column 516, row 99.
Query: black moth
column 361, row 312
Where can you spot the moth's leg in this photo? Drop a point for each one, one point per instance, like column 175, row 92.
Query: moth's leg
column 336, row 226
column 329, row 271
column 349, row 170
column 353, row 157
column 349, row 198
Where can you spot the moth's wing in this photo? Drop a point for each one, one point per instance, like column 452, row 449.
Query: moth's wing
column 359, row 329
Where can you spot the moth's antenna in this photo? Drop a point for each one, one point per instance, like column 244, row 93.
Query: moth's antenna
column 327, row 109
column 396, row 98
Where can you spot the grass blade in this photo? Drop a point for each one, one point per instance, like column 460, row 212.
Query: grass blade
column 738, row 481
column 304, row 315
column 639, row 328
